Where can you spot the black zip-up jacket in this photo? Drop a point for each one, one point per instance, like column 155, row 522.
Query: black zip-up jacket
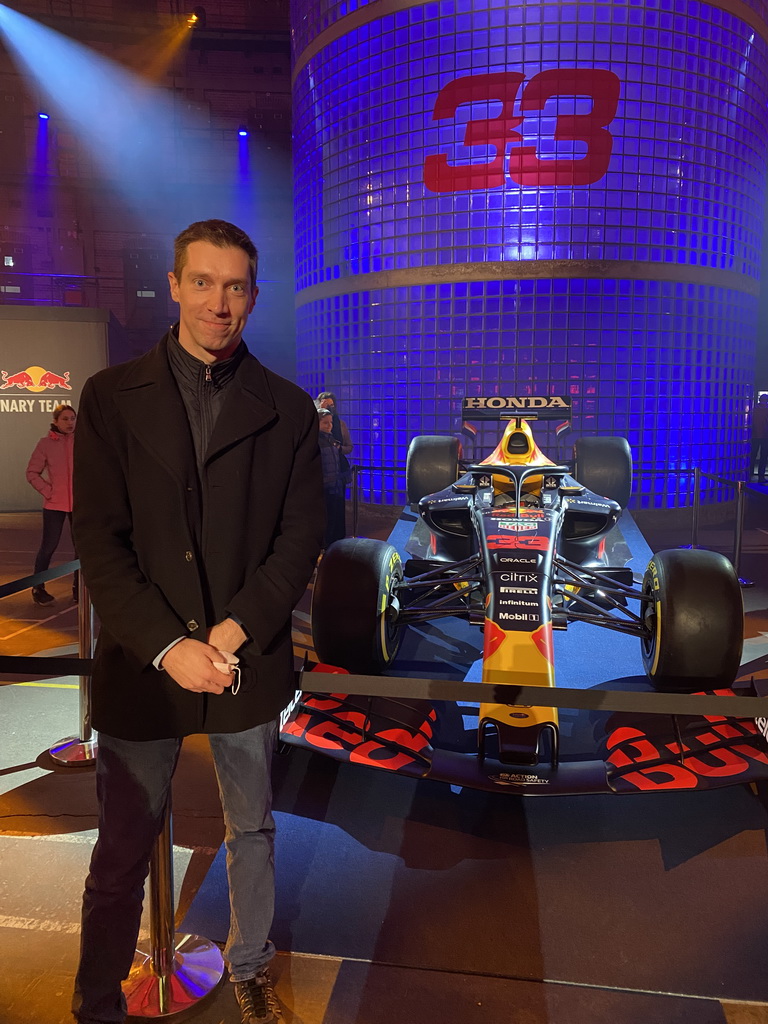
column 203, row 387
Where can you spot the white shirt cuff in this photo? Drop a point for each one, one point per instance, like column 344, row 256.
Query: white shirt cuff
column 164, row 651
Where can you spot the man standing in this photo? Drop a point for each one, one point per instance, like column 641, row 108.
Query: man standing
column 196, row 484
column 759, row 452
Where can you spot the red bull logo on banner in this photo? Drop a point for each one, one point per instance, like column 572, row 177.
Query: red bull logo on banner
column 35, row 378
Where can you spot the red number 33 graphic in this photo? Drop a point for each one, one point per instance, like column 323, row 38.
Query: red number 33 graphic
column 522, row 164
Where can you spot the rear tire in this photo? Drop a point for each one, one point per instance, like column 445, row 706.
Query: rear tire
column 604, row 465
column 353, row 622
column 432, row 465
column 696, row 620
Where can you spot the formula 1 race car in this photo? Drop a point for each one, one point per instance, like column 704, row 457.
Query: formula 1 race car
column 516, row 545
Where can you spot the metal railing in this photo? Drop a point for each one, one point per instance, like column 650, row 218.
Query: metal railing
column 741, row 488
column 355, row 488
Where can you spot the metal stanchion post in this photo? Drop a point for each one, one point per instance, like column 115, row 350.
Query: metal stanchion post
column 81, row 750
column 739, row 536
column 355, row 501
column 176, row 971
column 696, row 503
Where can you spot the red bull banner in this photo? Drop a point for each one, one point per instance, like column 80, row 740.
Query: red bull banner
column 46, row 356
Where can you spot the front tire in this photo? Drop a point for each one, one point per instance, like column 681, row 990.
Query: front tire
column 353, row 618
column 432, row 465
column 696, row 621
column 604, row 465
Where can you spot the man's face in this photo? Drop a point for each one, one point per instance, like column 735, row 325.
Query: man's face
column 326, row 424
column 327, row 403
column 215, row 298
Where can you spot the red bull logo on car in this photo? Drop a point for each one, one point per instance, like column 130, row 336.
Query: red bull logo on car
column 35, row 378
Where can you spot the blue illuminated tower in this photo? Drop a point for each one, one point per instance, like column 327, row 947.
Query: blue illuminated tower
column 540, row 198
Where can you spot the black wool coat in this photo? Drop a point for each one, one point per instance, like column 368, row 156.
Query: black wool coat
column 167, row 552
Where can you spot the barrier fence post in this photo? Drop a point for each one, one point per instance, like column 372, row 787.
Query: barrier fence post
column 355, row 500
column 176, row 971
column 81, row 750
column 738, row 539
column 695, row 522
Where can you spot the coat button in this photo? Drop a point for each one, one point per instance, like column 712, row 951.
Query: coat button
column 188, row 555
column 192, row 625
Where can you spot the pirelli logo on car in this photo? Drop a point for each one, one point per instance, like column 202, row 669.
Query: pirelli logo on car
column 500, row 407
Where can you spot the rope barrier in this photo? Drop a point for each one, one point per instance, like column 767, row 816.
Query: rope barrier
column 643, row 702
column 411, row 688
column 16, row 586
column 14, row 664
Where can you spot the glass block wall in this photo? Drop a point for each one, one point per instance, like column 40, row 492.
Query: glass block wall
column 533, row 199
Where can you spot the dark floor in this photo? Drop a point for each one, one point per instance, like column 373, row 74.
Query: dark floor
column 47, row 817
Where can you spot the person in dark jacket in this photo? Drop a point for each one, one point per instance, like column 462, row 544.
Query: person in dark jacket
column 49, row 471
column 197, row 476
column 333, row 480
column 339, row 430
column 759, row 452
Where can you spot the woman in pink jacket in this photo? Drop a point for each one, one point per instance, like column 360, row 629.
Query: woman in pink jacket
column 50, row 472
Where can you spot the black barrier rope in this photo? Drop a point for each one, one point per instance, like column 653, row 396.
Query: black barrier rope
column 407, row 688
column 48, row 666
column 16, row 586
column 44, row 666
column 536, row 696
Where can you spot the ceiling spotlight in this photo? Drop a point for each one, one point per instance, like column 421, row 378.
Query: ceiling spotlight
column 42, row 116
column 197, row 18
column 242, row 131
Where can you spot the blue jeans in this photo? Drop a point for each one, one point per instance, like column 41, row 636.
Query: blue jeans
column 133, row 782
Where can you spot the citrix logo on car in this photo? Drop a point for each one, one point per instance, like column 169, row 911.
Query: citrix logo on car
column 518, row 577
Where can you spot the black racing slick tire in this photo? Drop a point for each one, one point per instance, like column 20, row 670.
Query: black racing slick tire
column 354, row 620
column 604, row 465
column 695, row 619
column 432, row 465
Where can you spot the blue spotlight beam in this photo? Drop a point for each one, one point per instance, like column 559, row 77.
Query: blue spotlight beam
column 156, row 158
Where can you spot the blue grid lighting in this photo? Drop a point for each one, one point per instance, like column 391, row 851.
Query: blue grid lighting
column 646, row 314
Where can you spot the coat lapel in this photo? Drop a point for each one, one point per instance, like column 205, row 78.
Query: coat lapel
column 154, row 412
column 248, row 408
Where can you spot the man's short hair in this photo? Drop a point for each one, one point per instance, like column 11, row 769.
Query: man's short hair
column 326, row 394
column 219, row 233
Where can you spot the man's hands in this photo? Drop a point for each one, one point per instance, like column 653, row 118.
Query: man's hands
column 192, row 664
column 227, row 636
